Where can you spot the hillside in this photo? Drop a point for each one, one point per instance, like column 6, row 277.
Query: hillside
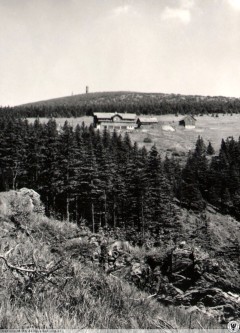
column 121, row 101
column 43, row 288
column 128, row 98
column 52, row 274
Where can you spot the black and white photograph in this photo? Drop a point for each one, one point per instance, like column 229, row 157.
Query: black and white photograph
column 120, row 165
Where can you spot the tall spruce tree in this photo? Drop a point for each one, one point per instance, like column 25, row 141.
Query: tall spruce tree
column 66, row 177
column 159, row 194
column 190, row 195
column 210, row 150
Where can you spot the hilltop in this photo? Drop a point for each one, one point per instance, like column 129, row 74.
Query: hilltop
column 123, row 101
column 128, row 98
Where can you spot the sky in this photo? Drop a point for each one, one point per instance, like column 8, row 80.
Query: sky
column 55, row 48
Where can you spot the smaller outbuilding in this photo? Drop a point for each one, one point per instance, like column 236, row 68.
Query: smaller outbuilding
column 188, row 122
column 146, row 121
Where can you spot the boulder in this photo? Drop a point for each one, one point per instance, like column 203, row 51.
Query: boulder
column 22, row 202
column 37, row 206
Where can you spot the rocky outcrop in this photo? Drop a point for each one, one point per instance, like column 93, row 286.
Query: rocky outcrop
column 198, row 282
column 185, row 276
column 22, row 202
column 34, row 198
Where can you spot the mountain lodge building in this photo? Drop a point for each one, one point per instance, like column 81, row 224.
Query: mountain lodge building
column 111, row 121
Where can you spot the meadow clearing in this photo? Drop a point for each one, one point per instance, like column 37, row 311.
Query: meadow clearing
column 212, row 129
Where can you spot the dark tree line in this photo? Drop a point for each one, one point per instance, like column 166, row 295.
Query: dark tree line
column 155, row 104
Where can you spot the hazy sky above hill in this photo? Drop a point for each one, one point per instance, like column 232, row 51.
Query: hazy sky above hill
column 51, row 48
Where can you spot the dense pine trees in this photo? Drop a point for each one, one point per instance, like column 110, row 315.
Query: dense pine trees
column 214, row 179
column 84, row 174
column 106, row 180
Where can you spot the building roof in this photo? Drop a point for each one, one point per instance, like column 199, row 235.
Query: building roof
column 148, row 120
column 189, row 116
column 119, row 123
column 110, row 115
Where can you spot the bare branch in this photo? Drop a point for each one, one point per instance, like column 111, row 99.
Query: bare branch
column 9, row 251
column 17, row 268
column 201, row 326
column 143, row 299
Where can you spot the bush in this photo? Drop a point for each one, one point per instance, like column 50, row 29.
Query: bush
column 147, row 140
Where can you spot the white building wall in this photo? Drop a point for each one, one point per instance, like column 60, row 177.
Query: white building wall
column 190, row 126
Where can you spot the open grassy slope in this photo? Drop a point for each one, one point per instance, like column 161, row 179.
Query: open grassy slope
column 181, row 140
column 223, row 230
column 212, row 129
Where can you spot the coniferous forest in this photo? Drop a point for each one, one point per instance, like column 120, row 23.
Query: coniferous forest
column 104, row 180
column 140, row 103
